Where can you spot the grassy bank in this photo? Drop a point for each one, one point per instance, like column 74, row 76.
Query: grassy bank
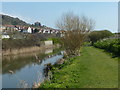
column 93, row 69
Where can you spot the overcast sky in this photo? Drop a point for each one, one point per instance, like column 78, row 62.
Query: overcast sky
column 104, row 13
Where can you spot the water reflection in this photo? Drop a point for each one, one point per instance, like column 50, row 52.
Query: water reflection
column 26, row 69
column 48, row 51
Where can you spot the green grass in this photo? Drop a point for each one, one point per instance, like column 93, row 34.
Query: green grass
column 93, row 69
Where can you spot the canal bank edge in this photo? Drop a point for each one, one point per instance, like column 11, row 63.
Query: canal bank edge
column 27, row 50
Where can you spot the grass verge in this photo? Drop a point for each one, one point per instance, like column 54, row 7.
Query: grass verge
column 93, row 69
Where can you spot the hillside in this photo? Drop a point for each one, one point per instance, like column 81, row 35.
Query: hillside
column 8, row 20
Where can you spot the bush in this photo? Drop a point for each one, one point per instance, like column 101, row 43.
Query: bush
column 110, row 45
column 72, row 42
column 98, row 35
column 17, row 43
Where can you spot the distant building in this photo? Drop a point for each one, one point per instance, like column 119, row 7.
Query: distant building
column 5, row 36
column 26, row 30
column 38, row 24
column 49, row 42
column 29, row 30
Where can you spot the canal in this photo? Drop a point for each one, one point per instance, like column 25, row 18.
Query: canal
column 22, row 71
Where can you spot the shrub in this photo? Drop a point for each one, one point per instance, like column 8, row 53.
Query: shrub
column 110, row 45
column 75, row 28
column 17, row 43
column 98, row 35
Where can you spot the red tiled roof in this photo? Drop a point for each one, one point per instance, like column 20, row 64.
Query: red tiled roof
column 9, row 25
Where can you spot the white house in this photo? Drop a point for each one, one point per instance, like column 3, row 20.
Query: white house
column 29, row 30
column 5, row 36
column 46, row 31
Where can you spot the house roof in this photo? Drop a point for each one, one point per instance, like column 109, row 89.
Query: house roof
column 9, row 25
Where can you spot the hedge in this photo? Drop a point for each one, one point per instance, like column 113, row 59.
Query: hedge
column 110, row 45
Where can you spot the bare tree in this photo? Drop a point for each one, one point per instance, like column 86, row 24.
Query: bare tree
column 76, row 29
column 70, row 21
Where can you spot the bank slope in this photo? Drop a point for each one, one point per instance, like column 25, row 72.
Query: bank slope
column 93, row 69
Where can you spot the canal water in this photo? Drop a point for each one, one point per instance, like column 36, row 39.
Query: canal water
column 26, row 70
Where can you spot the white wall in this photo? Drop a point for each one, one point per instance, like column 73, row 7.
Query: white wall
column 29, row 30
column 50, row 42
column 5, row 36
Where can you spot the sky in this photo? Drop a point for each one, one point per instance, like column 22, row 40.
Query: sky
column 105, row 14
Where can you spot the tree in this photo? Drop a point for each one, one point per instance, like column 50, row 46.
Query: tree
column 36, row 31
column 76, row 29
column 98, row 35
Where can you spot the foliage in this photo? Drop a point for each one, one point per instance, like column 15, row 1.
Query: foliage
column 30, row 40
column 94, row 36
column 72, row 41
column 76, row 27
column 19, row 40
column 36, row 31
column 55, row 40
column 110, row 45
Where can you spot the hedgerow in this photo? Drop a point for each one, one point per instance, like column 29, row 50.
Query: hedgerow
column 110, row 45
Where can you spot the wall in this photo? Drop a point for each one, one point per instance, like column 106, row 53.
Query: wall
column 50, row 42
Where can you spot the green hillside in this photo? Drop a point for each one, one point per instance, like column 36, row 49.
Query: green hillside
column 8, row 20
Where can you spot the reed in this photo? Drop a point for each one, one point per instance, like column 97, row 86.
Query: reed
column 26, row 50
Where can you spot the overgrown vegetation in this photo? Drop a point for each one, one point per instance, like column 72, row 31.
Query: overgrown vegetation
column 72, row 42
column 19, row 40
column 110, row 45
column 17, row 43
column 28, row 40
column 94, row 36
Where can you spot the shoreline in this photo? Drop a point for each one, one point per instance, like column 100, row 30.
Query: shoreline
column 27, row 50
